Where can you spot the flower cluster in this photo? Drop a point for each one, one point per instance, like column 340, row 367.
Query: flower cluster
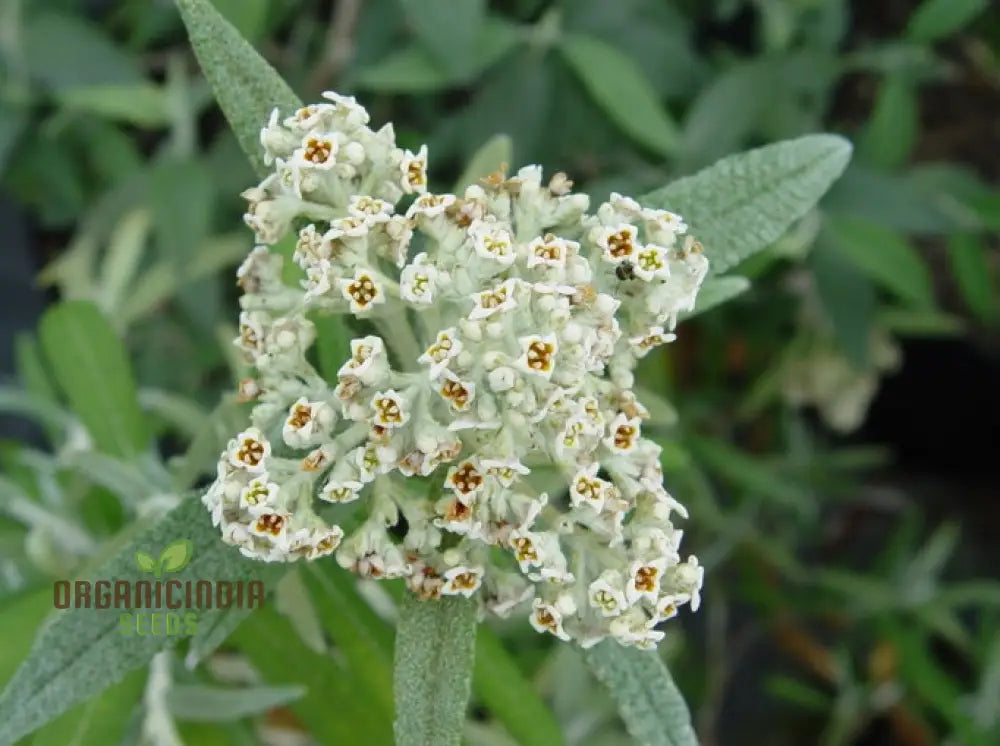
column 482, row 436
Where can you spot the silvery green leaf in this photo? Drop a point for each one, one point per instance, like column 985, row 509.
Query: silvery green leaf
column 715, row 291
column 209, row 703
column 648, row 700
column 246, row 87
column 91, row 366
column 621, row 89
column 435, row 647
column 81, row 652
column 745, row 202
column 449, row 31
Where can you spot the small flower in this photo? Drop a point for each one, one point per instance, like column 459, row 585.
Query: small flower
column 619, row 243
column 341, row 492
column 414, row 170
column 458, row 394
column 250, row 450
column 307, row 423
column 270, row 525
column 259, row 495
column 390, row 409
column 605, row 595
column 446, row 347
column 538, row 354
column 546, row 618
column 417, row 281
column 462, row 581
column 318, row 151
column 550, row 251
column 495, row 300
column 465, row 479
column 324, row 542
column 644, row 581
column 587, row 489
column 430, row 205
column 654, row 337
column 492, row 241
column 623, row 434
column 362, row 291
column 369, row 209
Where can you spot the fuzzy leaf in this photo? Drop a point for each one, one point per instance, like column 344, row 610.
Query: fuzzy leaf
column 621, row 89
column 884, row 256
column 91, row 366
column 511, row 697
column 745, row 202
column 246, row 87
column 215, row 704
column 81, row 652
column 649, row 702
column 435, row 647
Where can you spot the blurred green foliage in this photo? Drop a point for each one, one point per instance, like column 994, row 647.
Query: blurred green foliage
column 113, row 150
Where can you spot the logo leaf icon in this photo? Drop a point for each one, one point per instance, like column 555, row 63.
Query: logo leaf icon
column 145, row 562
column 176, row 556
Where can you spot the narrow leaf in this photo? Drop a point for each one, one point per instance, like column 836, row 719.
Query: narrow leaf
column 144, row 105
column 84, row 651
column 936, row 19
column 448, row 30
column 332, row 708
column 745, row 202
column 510, row 697
column 621, row 89
column 90, row 365
column 435, row 646
column 971, row 268
column 246, row 87
column 494, row 153
column 102, row 719
column 885, row 256
column 360, row 636
column 413, row 69
column 893, row 127
column 848, row 299
column 214, row 704
column 649, row 702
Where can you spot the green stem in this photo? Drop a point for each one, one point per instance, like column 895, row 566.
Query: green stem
column 432, row 678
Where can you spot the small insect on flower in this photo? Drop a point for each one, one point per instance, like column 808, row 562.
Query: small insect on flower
column 625, row 271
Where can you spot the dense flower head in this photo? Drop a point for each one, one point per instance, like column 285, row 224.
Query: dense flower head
column 482, row 436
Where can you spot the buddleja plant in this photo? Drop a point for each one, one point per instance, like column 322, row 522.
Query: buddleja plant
column 482, row 439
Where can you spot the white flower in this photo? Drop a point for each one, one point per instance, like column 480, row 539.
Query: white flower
column 619, row 242
column 493, row 241
column 259, row 495
column 390, row 409
column 414, row 171
column 417, row 281
column 644, row 580
column 606, row 595
column 538, row 354
column 547, row 618
column 369, row 209
column 250, row 451
column 363, row 290
column 462, row 581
